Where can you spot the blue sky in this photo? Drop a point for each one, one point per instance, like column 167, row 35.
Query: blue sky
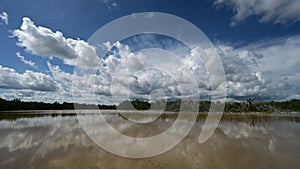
column 259, row 42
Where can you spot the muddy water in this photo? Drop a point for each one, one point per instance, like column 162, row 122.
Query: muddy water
column 240, row 141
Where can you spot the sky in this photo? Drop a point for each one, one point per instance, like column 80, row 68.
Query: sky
column 46, row 55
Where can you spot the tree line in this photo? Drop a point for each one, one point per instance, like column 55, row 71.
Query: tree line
column 17, row 104
column 248, row 105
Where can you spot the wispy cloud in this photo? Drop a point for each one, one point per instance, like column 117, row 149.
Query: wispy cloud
column 4, row 17
column 110, row 4
column 27, row 62
column 269, row 11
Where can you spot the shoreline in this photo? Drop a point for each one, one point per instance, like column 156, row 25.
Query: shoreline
column 75, row 112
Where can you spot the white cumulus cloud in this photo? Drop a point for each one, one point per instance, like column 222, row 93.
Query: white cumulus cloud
column 263, row 70
column 154, row 75
column 243, row 79
column 10, row 79
column 43, row 41
column 270, row 68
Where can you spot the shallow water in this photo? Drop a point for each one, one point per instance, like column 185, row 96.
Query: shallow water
column 30, row 141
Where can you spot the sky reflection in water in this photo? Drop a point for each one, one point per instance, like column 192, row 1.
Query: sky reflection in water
column 239, row 142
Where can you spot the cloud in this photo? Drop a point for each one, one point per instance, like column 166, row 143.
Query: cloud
column 146, row 74
column 280, row 64
column 270, row 67
column 27, row 62
column 10, row 79
column 43, row 41
column 269, row 11
column 114, row 4
column 266, row 70
column 54, row 133
column 4, row 17
column 110, row 4
column 242, row 77
column 88, row 88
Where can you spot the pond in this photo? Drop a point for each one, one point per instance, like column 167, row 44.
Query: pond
column 57, row 141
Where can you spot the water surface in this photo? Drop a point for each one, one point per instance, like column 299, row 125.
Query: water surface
column 55, row 141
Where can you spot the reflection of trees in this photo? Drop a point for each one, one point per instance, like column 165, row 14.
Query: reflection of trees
column 14, row 116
